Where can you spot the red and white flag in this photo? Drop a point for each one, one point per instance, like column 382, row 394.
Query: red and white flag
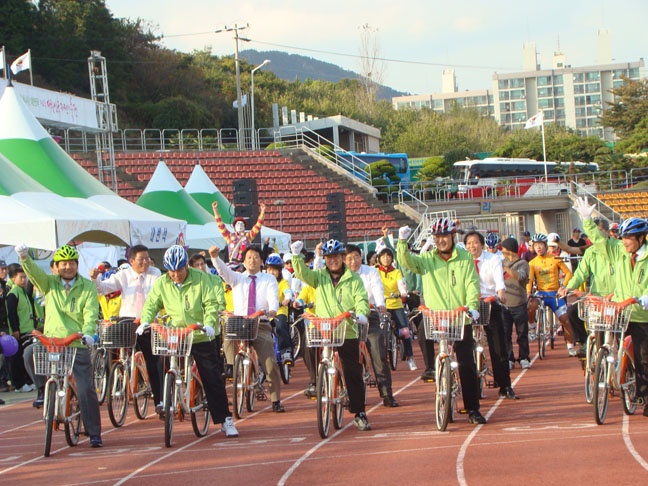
column 536, row 120
column 22, row 63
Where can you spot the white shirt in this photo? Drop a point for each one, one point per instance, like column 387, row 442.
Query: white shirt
column 372, row 282
column 491, row 274
column 127, row 281
column 267, row 289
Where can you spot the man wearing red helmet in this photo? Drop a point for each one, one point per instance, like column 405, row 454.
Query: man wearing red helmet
column 240, row 239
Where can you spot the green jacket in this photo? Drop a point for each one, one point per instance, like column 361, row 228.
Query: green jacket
column 19, row 311
column 65, row 313
column 628, row 281
column 597, row 265
column 194, row 302
column 349, row 294
column 446, row 284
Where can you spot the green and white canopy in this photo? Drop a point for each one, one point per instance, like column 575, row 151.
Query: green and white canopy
column 26, row 144
column 204, row 192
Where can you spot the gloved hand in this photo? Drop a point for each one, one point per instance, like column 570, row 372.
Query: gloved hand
column 87, row 340
column 141, row 328
column 22, row 251
column 643, row 301
column 362, row 319
column 553, row 237
column 296, row 247
column 210, row 331
column 474, row 314
column 404, row 232
column 584, row 209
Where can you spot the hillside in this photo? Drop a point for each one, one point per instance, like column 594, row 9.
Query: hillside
column 291, row 67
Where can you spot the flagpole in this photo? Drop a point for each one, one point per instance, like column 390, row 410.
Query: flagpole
column 544, row 149
column 31, row 81
column 4, row 62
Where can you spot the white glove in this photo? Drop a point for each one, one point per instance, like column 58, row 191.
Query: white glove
column 87, row 340
column 210, row 331
column 22, row 251
column 553, row 237
column 474, row 314
column 362, row 319
column 584, row 209
column 141, row 328
column 404, row 232
column 643, row 301
column 297, row 247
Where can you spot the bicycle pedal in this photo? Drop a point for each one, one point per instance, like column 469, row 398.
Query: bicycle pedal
column 261, row 396
column 463, row 411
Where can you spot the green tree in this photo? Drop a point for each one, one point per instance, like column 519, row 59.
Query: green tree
column 629, row 108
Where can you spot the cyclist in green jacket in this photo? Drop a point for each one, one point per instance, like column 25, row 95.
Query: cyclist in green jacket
column 338, row 290
column 450, row 281
column 71, row 306
column 188, row 297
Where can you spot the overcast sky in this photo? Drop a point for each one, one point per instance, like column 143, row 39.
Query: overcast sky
column 476, row 37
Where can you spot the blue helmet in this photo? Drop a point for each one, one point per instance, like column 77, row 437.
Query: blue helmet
column 333, row 247
column 539, row 238
column 274, row 260
column 633, row 226
column 108, row 273
column 492, row 240
column 175, row 258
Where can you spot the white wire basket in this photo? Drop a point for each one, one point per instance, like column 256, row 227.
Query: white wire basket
column 239, row 328
column 442, row 325
column 53, row 360
column 120, row 334
column 324, row 331
column 606, row 316
column 171, row 341
column 484, row 313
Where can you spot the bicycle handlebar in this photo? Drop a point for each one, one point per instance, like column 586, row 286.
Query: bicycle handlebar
column 54, row 341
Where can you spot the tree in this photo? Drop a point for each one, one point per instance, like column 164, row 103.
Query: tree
column 629, row 107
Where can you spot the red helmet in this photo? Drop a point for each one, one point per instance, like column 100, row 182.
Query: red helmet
column 443, row 226
column 239, row 219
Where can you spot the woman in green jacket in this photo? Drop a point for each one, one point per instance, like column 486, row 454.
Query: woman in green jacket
column 20, row 313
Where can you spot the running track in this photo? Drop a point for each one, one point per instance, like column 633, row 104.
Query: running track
column 547, row 437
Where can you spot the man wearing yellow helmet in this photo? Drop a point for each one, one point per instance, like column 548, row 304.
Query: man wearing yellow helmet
column 71, row 306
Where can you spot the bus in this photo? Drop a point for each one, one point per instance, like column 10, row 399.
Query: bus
column 480, row 178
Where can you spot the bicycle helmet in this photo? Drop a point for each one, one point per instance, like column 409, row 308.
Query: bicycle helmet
column 539, row 238
column 633, row 226
column 175, row 258
column 443, row 226
column 8, row 345
column 333, row 247
column 274, row 260
column 66, row 252
column 108, row 273
column 492, row 240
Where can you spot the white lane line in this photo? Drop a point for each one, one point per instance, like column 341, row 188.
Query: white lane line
column 628, row 443
column 461, row 476
column 197, row 441
column 20, row 427
column 307, row 454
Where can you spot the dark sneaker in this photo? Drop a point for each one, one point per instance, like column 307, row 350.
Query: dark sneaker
column 229, row 372
column 278, row 407
column 508, row 393
column 474, row 417
column 40, row 398
column 428, row 375
column 310, row 392
column 361, row 421
column 95, row 441
column 390, row 402
column 159, row 409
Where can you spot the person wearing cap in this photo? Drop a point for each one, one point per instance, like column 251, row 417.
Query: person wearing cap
column 525, row 244
column 516, row 276
column 576, row 241
column 240, row 239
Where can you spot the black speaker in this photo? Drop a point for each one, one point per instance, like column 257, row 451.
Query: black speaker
column 335, row 197
column 250, row 213
column 245, row 192
column 337, row 231
column 244, row 198
column 247, row 185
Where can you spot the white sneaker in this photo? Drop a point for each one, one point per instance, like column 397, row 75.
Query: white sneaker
column 525, row 364
column 511, row 364
column 412, row 364
column 532, row 331
column 229, row 428
column 24, row 389
column 573, row 351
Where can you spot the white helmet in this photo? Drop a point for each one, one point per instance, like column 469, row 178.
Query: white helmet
column 287, row 257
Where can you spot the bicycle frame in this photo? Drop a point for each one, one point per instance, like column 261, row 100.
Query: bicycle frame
column 246, row 389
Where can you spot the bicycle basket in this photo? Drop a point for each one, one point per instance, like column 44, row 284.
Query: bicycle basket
column 583, row 309
column 363, row 331
column 53, row 360
column 484, row 313
column 120, row 334
column 239, row 328
column 171, row 341
column 608, row 316
column 444, row 324
column 325, row 331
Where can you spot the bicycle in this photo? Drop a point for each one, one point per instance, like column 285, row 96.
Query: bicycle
column 284, row 365
column 394, row 349
column 101, row 364
column 326, row 334
column 545, row 330
column 614, row 368
column 128, row 378
column 368, row 377
column 479, row 336
column 589, row 362
column 54, row 357
column 247, row 376
column 183, row 389
column 445, row 327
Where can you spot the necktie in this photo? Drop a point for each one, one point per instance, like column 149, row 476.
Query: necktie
column 477, row 265
column 139, row 296
column 633, row 260
column 67, row 287
column 252, row 296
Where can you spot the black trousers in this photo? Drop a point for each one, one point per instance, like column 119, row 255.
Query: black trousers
column 468, row 370
column 519, row 316
column 210, row 366
column 497, row 347
column 577, row 325
column 377, row 346
column 350, row 357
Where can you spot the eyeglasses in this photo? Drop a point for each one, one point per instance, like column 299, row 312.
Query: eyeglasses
column 142, row 259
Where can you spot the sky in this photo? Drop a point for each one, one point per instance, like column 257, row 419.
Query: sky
column 417, row 39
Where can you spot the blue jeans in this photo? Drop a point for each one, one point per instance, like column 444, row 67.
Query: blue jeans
column 398, row 315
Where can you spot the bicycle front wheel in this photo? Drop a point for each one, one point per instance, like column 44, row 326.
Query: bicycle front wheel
column 141, row 393
column 199, row 410
column 324, row 394
column 252, row 384
column 542, row 333
column 169, row 407
column 240, row 386
column 339, row 397
column 628, row 385
column 600, row 391
column 392, row 350
column 296, row 341
column 100, row 367
column 117, row 395
column 590, row 363
column 72, row 417
column 443, row 402
column 284, row 369
column 552, row 331
column 50, row 419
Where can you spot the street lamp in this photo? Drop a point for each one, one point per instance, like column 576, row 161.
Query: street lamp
column 280, row 203
column 267, row 61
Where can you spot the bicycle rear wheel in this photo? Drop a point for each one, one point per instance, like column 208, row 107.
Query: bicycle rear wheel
column 600, row 391
column 590, row 363
column 199, row 416
column 50, row 419
column 552, row 330
column 443, row 402
column 72, row 417
column 117, row 396
column 240, row 386
column 250, row 388
column 100, row 365
column 324, row 394
column 392, row 350
column 339, row 396
column 628, row 385
column 169, row 407
column 541, row 318
column 296, row 341
column 141, row 393
column 284, row 371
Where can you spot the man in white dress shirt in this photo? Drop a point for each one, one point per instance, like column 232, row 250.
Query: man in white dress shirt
column 491, row 284
column 266, row 298
column 135, row 283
